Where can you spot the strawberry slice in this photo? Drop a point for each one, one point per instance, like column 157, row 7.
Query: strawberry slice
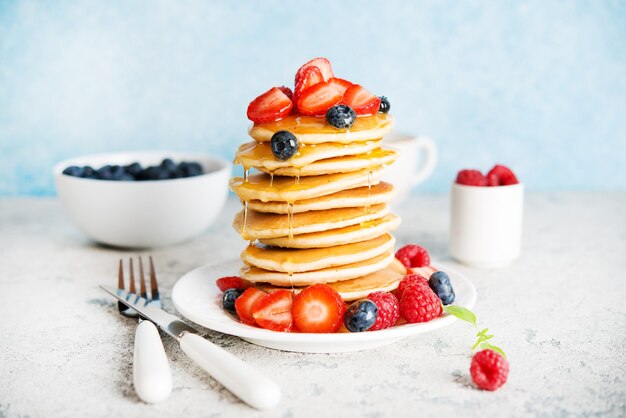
column 232, row 282
column 247, row 303
column 317, row 99
column 322, row 63
column 310, row 77
column 287, row 92
column 274, row 311
column 341, row 84
column 318, row 308
column 271, row 106
column 361, row 101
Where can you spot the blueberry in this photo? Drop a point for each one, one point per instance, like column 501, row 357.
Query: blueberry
column 73, row 171
column 117, row 171
column 284, row 145
column 104, row 173
column 385, row 106
column 439, row 282
column 168, row 165
column 89, row 172
column 127, row 177
column 134, row 169
column 182, row 170
column 194, row 169
column 154, row 173
column 361, row 315
column 229, row 297
column 340, row 116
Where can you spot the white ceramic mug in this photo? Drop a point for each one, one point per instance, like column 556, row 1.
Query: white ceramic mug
column 486, row 224
column 416, row 162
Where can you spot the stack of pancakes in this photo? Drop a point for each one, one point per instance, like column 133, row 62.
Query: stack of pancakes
column 321, row 216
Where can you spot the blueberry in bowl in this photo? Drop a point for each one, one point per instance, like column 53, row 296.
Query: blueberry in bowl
column 143, row 199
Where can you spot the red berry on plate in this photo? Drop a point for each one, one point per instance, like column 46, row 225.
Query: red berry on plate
column 388, row 310
column 322, row 63
column 341, row 84
column 413, row 256
column 271, row 106
column 287, row 92
column 318, row 308
column 419, row 304
column 360, row 100
column 489, row 369
column 232, row 282
column 274, row 311
column 246, row 304
column 501, row 175
column 310, row 77
column 317, row 99
column 410, row 280
column 471, row 178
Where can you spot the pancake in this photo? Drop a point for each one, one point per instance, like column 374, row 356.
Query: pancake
column 384, row 280
column 269, row 225
column 287, row 189
column 299, row 260
column 340, row 236
column 327, row 275
column 259, row 155
column 315, row 130
column 359, row 197
column 377, row 158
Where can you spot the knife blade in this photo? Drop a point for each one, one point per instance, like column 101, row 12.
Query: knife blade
column 243, row 380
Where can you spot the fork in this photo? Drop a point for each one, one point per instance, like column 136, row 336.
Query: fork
column 152, row 376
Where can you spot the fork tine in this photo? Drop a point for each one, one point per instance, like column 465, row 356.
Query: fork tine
column 120, row 276
column 120, row 284
column 142, row 281
column 132, row 276
column 154, row 287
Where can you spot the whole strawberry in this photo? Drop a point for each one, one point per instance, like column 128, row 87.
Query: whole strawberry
column 419, row 304
column 388, row 310
column 489, row 369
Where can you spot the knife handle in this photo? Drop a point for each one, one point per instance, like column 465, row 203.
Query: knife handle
column 152, row 376
column 240, row 378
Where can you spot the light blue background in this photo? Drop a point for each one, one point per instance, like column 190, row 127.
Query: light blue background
column 537, row 85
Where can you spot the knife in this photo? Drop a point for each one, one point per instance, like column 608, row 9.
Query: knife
column 240, row 378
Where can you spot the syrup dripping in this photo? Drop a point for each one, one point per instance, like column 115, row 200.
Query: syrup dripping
column 245, row 216
column 290, row 219
column 246, row 174
column 271, row 179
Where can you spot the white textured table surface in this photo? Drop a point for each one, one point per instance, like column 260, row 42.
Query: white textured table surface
column 559, row 312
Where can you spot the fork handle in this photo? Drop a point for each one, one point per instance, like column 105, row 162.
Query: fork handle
column 152, row 376
column 237, row 376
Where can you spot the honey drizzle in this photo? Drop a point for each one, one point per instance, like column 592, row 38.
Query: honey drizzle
column 271, row 179
column 290, row 219
column 245, row 216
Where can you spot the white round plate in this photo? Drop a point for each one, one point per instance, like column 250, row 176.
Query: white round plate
column 196, row 296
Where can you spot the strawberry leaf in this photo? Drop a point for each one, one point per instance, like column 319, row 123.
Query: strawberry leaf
column 463, row 314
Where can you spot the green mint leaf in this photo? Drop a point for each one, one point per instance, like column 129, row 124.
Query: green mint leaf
column 463, row 314
column 486, row 346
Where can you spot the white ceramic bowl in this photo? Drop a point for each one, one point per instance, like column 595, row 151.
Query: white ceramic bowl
column 142, row 214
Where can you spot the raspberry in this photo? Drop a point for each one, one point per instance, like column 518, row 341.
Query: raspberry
column 471, row 178
column 413, row 256
column 489, row 369
column 501, row 175
column 409, row 280
column 419, row 304
column 388, row 309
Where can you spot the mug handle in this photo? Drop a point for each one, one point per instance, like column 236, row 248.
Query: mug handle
column 429, row 149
